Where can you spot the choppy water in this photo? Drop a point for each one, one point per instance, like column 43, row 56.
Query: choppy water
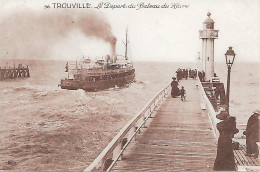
column 46, row 75
column 244, row 88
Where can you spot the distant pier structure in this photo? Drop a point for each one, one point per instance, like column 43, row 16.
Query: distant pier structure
column 208, row 34
column 14, row 72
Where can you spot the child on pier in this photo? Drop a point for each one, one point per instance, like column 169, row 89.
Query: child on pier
column 183, row 93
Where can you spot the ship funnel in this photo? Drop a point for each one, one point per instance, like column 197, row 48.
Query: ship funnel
column 107, row 59
column 113, row 50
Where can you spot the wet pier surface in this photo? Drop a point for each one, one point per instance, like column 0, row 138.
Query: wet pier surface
column 179, row 137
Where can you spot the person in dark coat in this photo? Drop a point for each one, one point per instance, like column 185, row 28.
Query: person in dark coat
column 203, row 76
column 225, row 160
column 182, row 92
column 200, row 76
column 179, row 74
column 186, row 74
column 252, row 134
column 174, row 85
column 189, row 72
column 183, row 73
column 217, row 92
column 192, row 74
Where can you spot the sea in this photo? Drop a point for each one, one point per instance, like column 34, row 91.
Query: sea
column 46, row 76
column 57, row 129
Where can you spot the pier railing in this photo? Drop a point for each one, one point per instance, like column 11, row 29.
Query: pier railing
column 114, row 150
column 210, row 110
column 243, row 163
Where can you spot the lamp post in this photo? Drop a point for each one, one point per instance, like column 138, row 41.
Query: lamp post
column 230, row 57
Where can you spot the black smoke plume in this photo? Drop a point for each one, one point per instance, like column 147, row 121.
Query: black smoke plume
column 29, row 34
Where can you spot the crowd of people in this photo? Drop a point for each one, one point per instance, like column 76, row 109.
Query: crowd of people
column 185, row 73
column 181, row 74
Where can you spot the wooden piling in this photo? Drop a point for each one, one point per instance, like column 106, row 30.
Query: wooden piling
column 14, row 72
column 28, row 73
column 1, row 74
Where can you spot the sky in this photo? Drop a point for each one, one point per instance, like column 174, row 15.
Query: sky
column 163, row 34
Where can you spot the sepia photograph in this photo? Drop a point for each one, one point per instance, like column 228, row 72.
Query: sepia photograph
column 129, row 85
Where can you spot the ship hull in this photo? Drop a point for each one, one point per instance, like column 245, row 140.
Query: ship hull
column 71, row 84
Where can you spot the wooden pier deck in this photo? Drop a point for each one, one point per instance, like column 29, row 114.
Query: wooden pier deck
column 179, row 137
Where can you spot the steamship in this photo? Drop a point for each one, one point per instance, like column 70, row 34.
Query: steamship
column 101, row 74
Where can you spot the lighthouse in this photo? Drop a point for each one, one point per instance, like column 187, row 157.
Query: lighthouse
column 208, row 34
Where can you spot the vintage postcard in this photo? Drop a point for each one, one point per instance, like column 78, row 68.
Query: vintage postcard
column 129, row 85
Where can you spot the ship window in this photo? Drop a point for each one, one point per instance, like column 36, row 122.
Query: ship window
column 208, row 58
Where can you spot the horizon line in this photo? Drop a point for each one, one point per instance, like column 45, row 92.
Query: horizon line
column 133, row 61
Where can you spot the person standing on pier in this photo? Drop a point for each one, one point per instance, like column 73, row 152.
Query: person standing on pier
column 203, row 76
column 225, row 160
column 200, row 76
column 217, row 92
column 183, row 73
column 179, row 74
column 186, row 73
column 174, row 85
column 252, row 134
column 182, row 92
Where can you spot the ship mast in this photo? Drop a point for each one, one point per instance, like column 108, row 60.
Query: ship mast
column 126, row 58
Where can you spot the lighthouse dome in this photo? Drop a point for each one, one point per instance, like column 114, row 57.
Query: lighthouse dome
column 208, row 23
column 208, row 20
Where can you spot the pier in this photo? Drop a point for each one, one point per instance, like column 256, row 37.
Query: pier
column 180, row 137
column 14, row 72
column 169, row 134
